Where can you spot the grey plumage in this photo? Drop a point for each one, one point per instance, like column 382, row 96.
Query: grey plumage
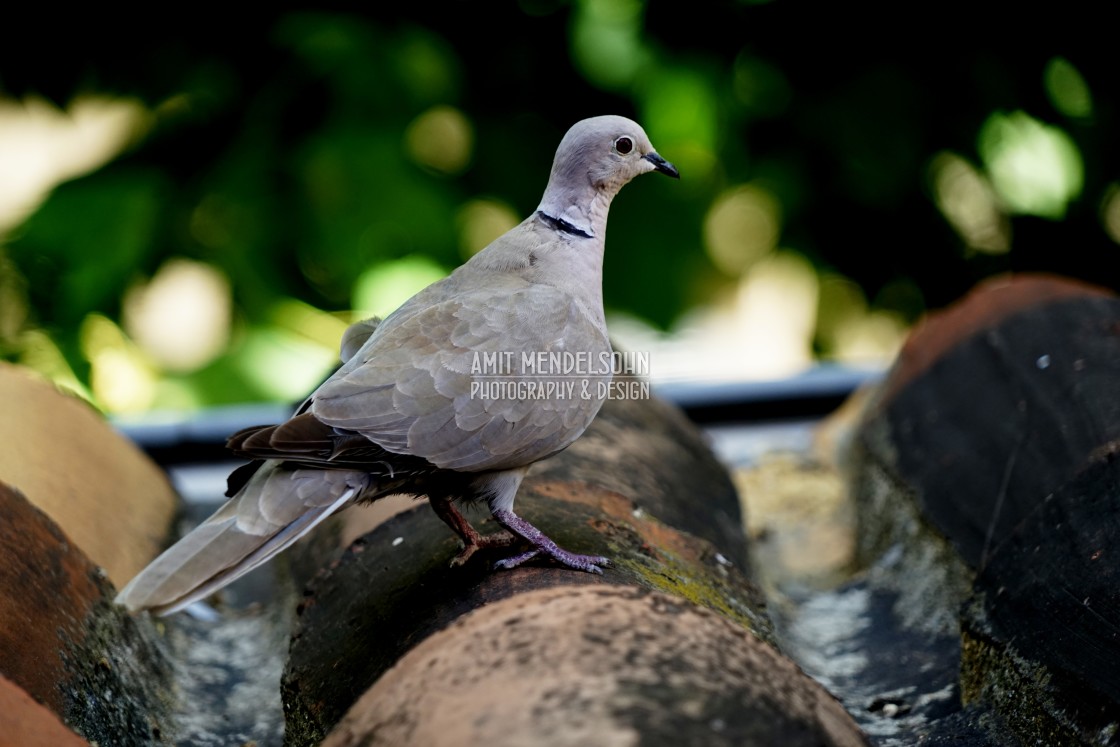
column 400, row 414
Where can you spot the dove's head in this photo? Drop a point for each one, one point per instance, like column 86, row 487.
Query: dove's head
column 603, row 153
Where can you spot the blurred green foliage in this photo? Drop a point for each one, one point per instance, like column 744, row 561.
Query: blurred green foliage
column 296, row 152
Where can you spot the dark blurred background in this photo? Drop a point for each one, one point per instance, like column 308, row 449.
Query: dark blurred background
column 194, row 204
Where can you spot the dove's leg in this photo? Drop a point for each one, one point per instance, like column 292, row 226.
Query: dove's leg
column 501, row 488
column 472, row 540
column 542, row 544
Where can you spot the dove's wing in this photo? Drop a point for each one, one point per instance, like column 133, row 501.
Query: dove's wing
column 416, row 389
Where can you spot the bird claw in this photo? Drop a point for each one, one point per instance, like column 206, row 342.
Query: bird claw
column 542, row 544
column 515, row 560
column 587, row 563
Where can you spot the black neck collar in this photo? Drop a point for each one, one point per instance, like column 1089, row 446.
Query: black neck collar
column 563, row 226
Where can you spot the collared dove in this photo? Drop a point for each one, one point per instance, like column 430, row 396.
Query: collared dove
column 401, row 415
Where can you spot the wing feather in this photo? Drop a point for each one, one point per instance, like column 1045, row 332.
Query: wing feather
column 273, row 509
column 409, row 388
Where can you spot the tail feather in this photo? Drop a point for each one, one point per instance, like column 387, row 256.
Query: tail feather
column 274, row 509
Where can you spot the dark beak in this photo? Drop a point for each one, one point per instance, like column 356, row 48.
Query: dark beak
column 660, row 164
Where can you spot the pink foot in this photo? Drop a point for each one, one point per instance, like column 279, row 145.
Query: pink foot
column 542, row 544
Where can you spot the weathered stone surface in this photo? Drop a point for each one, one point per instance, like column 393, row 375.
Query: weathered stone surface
column 970, row 441
column 1003, row 417
column 105, row 494
column 986, row 306
column 1042, row 633
column 594, row 664
column 394, row 587
column 960, row 464
column 25, row 723
column 65, row 643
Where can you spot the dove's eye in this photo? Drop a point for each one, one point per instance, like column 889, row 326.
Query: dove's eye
column 624, row 145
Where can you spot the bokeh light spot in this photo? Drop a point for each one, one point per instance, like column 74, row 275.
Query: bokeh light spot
column 283, row 365
column 848, row 331
column 681, row 114
column 1035, row 167
column 1068, row 91
column 311, row 323
column 841, row 302
column 42, row 146
column 428, row 66
column 385, row 286
column 969, row 203
column 121, row 378
column 777, row 309
column 181, row 318
column 1110, row 212
column 872, row 339
column 757, row 327
column 741, row 227
column 441, row 138
column 606, row 41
